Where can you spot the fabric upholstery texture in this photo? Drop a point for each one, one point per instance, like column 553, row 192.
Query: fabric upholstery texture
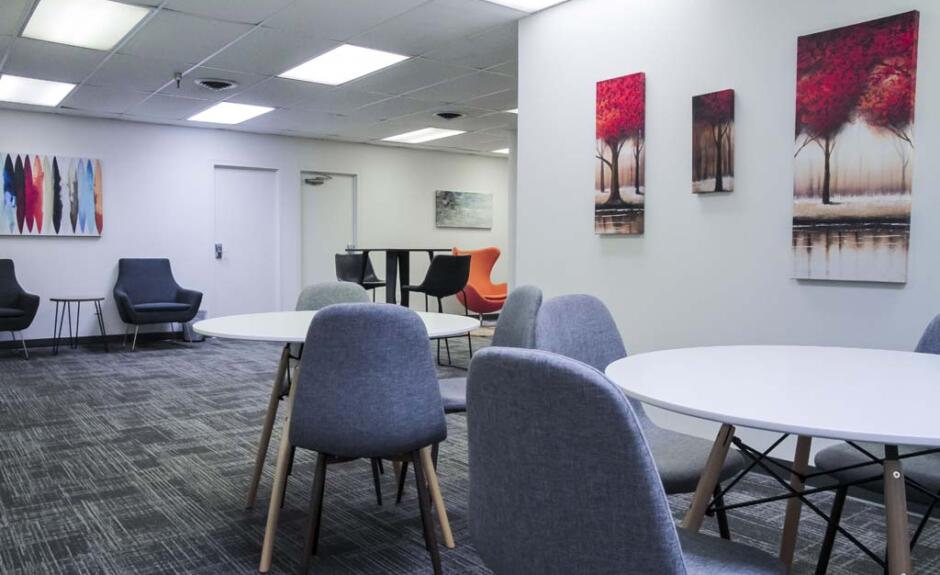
column 582, row 328
column 145, row 287
column 551, row 440
column 17, row 307
column 318, row 296
column 515, row 328
column 382, row 403
column 924, row 469
column 708, row 555
column 481, row 295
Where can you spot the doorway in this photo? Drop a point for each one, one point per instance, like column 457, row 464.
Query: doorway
column 246, row 279
column 328, row 222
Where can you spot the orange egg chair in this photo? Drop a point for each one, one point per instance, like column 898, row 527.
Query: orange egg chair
column 482, row 296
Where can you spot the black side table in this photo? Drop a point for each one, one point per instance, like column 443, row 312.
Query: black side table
column 66, row 303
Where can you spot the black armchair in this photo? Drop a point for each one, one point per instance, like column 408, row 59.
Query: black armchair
column 446, row 276
column 146, row 293
column 17, row 308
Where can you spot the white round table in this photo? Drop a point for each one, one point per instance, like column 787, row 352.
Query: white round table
column 291, row 327
column 887, row 397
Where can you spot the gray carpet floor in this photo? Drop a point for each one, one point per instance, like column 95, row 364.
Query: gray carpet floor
column 137, row 463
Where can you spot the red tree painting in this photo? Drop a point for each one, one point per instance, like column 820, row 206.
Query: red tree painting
column 713, row 142
column 854, row 123
column 621, row 124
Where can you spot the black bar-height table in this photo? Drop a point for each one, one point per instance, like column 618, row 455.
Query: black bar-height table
column 396, row 260
column 66, row 303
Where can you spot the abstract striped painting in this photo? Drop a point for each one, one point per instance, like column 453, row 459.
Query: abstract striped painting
column 51, row 196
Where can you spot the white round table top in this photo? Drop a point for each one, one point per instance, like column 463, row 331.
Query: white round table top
column 292, row 326
column 838, row 393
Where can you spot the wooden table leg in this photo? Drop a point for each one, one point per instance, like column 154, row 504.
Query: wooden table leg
column 791, row 523
column 277, row 492
column 709, row 479
column 268, row 425
column 435, row 489
column 899, row 543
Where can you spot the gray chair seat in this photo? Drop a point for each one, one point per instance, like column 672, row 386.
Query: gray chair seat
column 161, row 306
column 708, row 555
column 680, row 458
column 454, row 394
column 925, row 470
column 11, row 312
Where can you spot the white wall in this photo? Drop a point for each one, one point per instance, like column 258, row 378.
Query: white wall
column 710, row 269
column 158, row 190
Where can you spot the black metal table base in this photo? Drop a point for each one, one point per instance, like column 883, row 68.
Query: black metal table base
column 771, row 466
column 66, row 311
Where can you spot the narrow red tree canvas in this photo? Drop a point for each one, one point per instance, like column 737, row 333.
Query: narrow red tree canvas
column 854, row 142
column 713, row 142
column 619, row 188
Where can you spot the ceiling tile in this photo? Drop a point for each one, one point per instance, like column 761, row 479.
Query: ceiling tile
column 276, row 92
column 476, row 140
column 175, row 36
column 298, row 121
column 492, row 47
column 465, row 88
column 252, row 12
column 133, row 73
column 434, row 24
column 13, row 16
column 409, row 76
column 105, row 100
column 386, row 109
column 338, row 19
column 336, row 100
column 498, row 102
column 169, row 108
column 5, row 41
column 48, row 61
column 188, row 87
column 471, row 124
column 270, row 52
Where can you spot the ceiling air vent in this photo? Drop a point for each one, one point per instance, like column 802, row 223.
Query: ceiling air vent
column 449, row 115
column 216, row 84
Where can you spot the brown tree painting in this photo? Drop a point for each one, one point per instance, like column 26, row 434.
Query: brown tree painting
column 713, row 142
column 854, row 143
column 619, row 186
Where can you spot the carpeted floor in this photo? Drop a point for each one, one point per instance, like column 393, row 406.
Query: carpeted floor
column 137, row 463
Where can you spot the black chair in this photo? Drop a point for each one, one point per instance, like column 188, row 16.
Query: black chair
column 17, row 308
column 357, row 268
column 146, row 293
column 447, row 276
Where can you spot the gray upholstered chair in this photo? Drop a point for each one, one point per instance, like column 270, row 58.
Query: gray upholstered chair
column 581, row 327
column 17, row 307
column 597, row 505
column 384, row 404
column 925, row 469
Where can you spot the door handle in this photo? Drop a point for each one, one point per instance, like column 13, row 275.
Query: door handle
column 218, row 251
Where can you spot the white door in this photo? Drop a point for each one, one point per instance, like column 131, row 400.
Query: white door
column 246, row 233
column 328, row 223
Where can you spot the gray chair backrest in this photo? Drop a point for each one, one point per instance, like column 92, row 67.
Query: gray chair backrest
column 367, row 386
column 561, row 478
column 318, row 296
column 930, row 340
column 581, row 327
column 516, row 325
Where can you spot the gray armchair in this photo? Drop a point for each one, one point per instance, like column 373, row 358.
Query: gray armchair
column 146, row 293
column 17, row 307
column 562, row 481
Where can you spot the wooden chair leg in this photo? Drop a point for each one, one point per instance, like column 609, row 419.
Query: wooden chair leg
column 709, row 479
column 427, row 519
column 316, row 512
column 267, row 427
column 376, row 481
column 791, row 522
column 438, row 499
column 832, row 529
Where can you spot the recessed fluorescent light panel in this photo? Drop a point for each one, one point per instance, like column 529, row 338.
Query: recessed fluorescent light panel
column 513, row 111
column 527, row 5
column 501, row 151
column 95, row 24
column 31, row 91
column 343, row 64
column 422, row 135
column 229, row 113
